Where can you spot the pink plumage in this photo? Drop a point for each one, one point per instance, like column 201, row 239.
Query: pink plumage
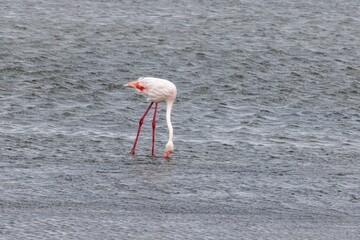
column 157, row 90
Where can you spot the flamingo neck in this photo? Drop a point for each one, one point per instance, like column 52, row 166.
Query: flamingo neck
column 168, row 119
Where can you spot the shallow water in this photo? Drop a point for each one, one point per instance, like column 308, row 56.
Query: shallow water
column 266, row 121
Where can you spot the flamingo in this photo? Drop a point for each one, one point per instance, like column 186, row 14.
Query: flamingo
column 157, row 90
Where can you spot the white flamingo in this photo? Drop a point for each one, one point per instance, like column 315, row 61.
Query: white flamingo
column 157, row 90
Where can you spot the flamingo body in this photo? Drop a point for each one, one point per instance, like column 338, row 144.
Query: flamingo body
column 157, row 90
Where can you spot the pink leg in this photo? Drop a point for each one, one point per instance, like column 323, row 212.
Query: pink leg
column 153, row 128
column 140, row 124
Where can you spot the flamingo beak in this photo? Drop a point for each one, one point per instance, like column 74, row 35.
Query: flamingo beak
column 167, row 154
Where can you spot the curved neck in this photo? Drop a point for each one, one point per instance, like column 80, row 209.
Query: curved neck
column 168, row 119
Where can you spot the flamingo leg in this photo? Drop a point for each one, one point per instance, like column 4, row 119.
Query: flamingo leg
column 153, row 130
column 140, row 124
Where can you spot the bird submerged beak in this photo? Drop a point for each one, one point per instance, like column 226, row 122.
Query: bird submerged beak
column 167, row 154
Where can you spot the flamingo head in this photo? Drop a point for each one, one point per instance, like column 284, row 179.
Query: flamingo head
column 168, row 149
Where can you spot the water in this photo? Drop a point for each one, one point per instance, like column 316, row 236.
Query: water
column 266, row 121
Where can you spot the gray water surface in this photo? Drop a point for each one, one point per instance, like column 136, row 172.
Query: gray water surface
column 266, row 122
